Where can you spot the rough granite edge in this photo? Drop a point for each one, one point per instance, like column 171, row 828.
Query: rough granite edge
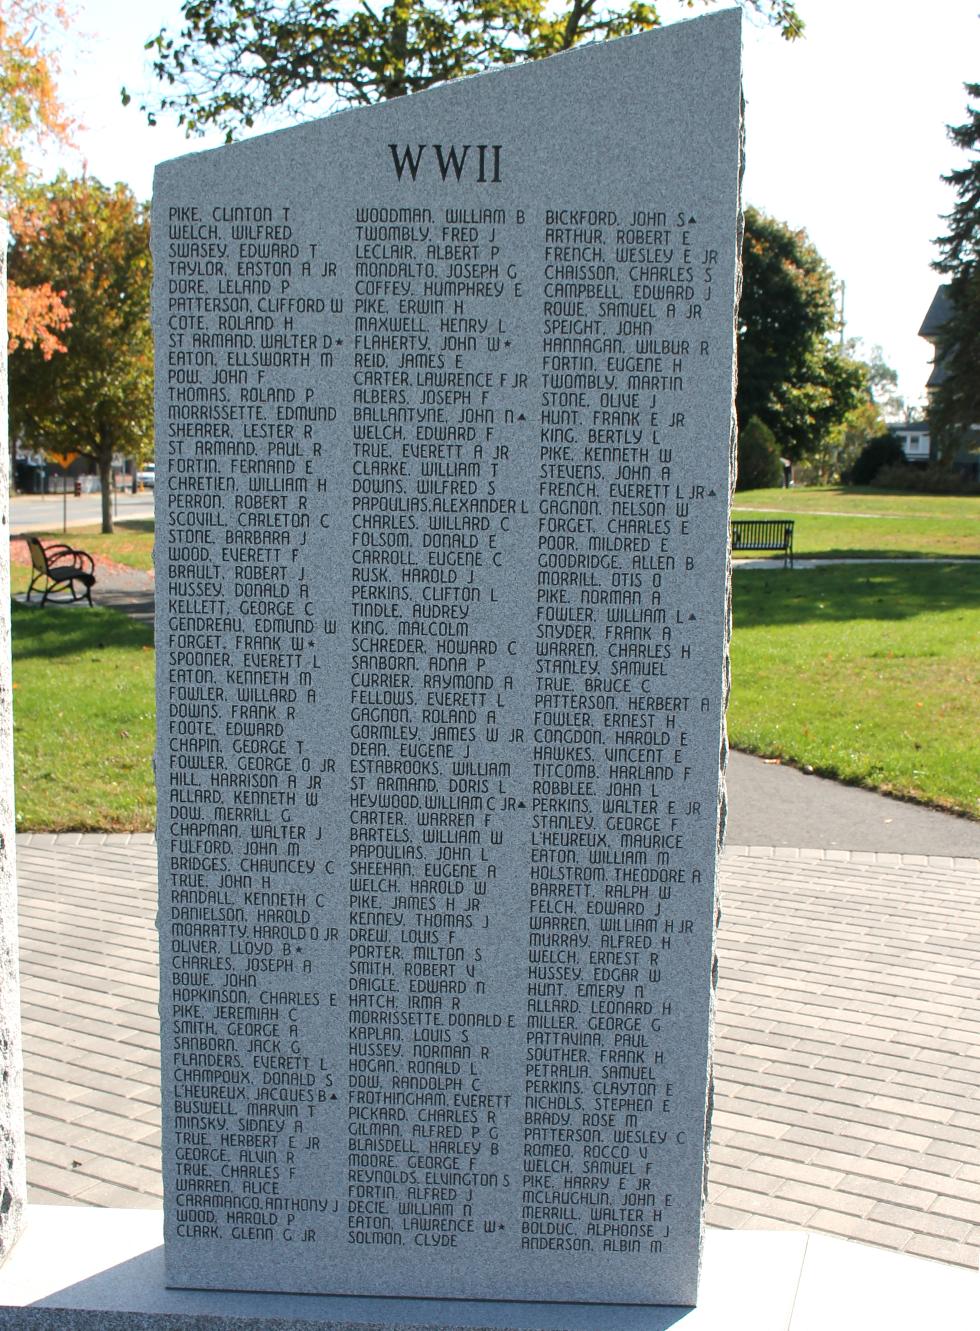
column 726, row 663
column 13, row 1181
column 71, row 1319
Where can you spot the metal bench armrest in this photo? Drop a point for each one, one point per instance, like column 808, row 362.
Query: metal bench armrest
column 80, row 558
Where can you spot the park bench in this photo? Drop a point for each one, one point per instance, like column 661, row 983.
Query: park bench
column 766, row 534
column 59, row 569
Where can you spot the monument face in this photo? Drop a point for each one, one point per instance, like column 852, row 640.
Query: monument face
column 443, row 447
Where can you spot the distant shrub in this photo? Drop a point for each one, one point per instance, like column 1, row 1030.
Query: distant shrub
column 932, row 480
column 758, row 457
column 883, row 451
column 808, row 473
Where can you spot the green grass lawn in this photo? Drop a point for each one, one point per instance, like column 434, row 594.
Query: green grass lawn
column 83, row 720
column 834, row 522
column 131, row 543
column 859, row 500
column 866, row 674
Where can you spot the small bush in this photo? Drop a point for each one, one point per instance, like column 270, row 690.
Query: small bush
column 806, row 472
column 758, row 457
column 932, row 480
column 883, row 451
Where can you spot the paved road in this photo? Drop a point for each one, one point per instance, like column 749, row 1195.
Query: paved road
column 30, row 513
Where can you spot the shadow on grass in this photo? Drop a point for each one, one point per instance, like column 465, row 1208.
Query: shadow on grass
column 884, row 552
column 852, row 592
column 70, row 630
column 120, row 525
column 135, row 524
column 850, row 553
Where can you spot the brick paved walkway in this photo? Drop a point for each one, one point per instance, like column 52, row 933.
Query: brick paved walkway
column 89, row 1017
column 847, row 1050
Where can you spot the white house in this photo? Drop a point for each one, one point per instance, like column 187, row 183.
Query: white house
column 914, row 436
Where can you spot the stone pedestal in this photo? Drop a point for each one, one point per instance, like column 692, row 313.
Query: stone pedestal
column 107, row 1275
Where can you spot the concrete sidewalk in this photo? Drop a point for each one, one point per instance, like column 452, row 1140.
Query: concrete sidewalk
column 847, row 1055
column 772, row 804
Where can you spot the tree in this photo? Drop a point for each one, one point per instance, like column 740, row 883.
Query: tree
column 97, row 398
column 955, row 406
column 884, row 451
column 882, row 381
column 31, row 119
column 231, row 62
column 759, row 466
column 879, row 402
column 791, row 375
column 838, row 450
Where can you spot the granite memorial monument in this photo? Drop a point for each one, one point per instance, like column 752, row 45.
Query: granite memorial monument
column 444, row 439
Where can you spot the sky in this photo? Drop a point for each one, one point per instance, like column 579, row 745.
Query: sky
column 845, row 137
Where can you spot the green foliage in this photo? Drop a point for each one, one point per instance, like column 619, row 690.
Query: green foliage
column 866, row 674
column 97, row 399
column 880, row 400
column 960, row 246
column 844, row 501
column 852, row 523
column 758, row 457
column 790, row 374
column 838, row 450
column 956, row 404
column 32, row 117
column 231, row 62
column 883, row 382
column 934, row 480
column 884, row 451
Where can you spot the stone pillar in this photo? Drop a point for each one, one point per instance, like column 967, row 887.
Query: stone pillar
column 447, row 387
column 13, row 1181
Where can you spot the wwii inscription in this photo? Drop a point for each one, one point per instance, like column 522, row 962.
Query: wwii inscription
column 444, row 432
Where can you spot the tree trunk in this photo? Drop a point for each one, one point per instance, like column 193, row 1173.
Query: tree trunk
column 105, row 481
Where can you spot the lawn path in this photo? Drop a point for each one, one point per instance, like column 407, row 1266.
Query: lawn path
column 836, row 513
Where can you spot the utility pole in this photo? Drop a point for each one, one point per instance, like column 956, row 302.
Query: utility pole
column 843, row 288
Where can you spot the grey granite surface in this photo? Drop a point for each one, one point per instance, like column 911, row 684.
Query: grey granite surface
column 445, row 393
column 111, row 1279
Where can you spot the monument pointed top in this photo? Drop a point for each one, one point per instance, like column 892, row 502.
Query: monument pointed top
column 445, row 389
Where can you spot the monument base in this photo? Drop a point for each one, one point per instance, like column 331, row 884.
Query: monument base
column 87, row 1269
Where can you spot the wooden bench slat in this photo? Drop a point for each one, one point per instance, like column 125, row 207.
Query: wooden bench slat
column 765, row 534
